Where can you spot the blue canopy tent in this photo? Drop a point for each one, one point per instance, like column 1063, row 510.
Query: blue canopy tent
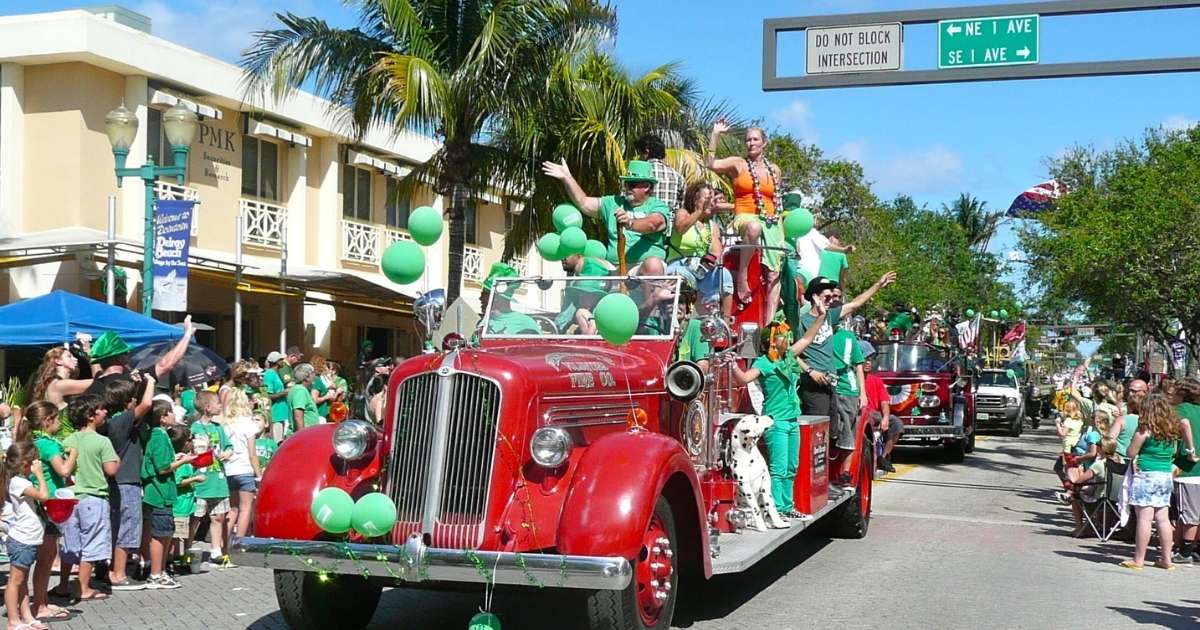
column 57, row 316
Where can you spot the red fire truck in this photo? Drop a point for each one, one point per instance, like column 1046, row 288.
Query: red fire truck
column 545, row 458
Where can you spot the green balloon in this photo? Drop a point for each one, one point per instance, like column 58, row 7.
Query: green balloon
column 616, row 318
column 484, row 621
column 572, row 240
column 994, row 314
column 1018, row 305
column 548, row 246
column 425, row 225
column 797, row 223
column 1011, row 373
column 332, row 509
column 374, row 515
column 595, row 249
column 565, row 216
column 970, row 312
column 403, row 262
column 1003, row 314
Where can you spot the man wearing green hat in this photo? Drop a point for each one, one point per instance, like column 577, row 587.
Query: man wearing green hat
column 645, row 218
column 502, row 319
column 111, row 353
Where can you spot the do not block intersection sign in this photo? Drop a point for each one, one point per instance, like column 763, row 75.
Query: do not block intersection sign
column 994, row 41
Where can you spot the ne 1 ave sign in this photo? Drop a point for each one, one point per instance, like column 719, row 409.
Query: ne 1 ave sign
column 861, row 48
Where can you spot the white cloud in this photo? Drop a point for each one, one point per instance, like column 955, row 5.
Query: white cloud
column 797, row 118
column 1178, row 123
column 934, row 169
column 855, row 151
column 221, row 28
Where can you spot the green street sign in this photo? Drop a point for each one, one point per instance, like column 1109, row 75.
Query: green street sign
column 995, row 41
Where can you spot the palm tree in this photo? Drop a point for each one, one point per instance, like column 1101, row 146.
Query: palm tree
column 972, row 216
column 463, row 70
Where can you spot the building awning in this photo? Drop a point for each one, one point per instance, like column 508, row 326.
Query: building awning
column 344, row 288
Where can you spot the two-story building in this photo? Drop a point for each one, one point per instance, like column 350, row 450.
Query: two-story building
column 313, row 209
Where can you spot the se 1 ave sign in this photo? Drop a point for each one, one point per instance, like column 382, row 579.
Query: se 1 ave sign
column 995, row 41
column 863, row 48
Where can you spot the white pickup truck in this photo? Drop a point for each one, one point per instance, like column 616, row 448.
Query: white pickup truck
column 999, row 402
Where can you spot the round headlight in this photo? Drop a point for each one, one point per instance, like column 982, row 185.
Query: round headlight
column 352, row 438
column 550, row 446
column 1012, row 400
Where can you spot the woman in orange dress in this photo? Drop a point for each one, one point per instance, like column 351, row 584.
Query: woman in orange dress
column 756, row 191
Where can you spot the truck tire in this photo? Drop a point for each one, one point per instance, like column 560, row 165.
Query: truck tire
column 649, row 600
column 1014, row 429
column 955, row 451
column 342, row 601
column 969, row 447
column 853, row 517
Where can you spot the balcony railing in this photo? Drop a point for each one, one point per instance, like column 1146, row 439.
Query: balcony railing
column 263, row 224
column 472, row 267
column 360, row 242
column 175, row 192
column 391, row 235
column 519, row 263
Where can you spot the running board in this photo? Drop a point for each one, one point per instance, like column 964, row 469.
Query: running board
column 741, row 551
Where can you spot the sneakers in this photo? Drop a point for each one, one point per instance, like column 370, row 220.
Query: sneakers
column 1063, row 498
column 226, row 562
column 1179, row 558
column 161, row 581
column 885, row 465
column 128, row 584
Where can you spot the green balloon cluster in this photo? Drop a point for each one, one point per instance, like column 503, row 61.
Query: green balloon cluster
column 332, row 510
column 1003, row 314
column 567, row 216
column 571, row 241
column 425, row 225
column 373, row 515
column 970, row 312
column 595, row 249
column 403, row 262
column 797, row 223
column 548, row 246
column 616, row 318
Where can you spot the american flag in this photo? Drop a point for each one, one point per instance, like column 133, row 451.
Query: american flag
column 968, row 332
column 1037, row 199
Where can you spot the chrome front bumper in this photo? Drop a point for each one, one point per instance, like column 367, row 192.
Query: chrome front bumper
column 415, row 562
column 913, row 432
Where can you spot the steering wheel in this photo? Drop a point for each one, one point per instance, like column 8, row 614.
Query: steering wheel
column 547, row 325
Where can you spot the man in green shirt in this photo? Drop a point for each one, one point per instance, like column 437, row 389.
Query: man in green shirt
column 1187, row 483
column 847, row 393
column 277, row 393
column 834, row 263
column 646, row 220
column 502, row 320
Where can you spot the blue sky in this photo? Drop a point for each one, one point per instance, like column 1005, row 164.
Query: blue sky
column 931, row 141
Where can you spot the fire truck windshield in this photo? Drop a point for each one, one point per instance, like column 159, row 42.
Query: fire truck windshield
column 902, row 357
column 565, row 307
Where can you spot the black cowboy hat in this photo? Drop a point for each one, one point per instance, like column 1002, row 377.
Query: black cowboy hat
column 817, row 285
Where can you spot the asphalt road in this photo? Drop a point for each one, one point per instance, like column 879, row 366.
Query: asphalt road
column 976, row 545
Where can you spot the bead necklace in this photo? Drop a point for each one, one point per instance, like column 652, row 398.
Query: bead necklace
column 758, row 197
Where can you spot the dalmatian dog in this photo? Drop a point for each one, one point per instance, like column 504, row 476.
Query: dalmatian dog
column 750, row 471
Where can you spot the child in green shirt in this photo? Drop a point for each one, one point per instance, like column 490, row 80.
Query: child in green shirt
column 265, row 446
column 159, row 464
column 212, row 494
column 185, row 496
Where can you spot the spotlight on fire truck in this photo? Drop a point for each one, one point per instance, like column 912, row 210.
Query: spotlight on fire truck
column 685, row 380
column 550, row 446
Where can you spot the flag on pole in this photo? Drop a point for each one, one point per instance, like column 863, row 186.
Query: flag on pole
column 1037, row 199
column 1017, row 333
column 1019, row 354
column 968, row 332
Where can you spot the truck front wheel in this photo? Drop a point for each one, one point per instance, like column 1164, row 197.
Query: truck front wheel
column 341, row 601
column 649, row 600
column 853, row 517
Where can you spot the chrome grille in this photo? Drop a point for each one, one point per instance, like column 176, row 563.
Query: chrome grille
column 443, row 444
column 990, row 401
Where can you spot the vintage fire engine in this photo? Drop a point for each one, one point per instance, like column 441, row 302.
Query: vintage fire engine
column 931, row 393
column 546, row 458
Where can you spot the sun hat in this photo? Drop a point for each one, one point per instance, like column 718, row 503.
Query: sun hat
column 274, row 357
column 109, row 345
column 640, row 171
column 501, row 270
column 817, row 285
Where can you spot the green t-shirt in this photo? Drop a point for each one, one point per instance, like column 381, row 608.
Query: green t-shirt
column 285, row 373
column 48, row 448
column 205, row 436
column 778, row 379
column 692, row 346
column 187, row 400
column 300, row 398
column 832, row 264
column 264, row 448
column 158, row 488
column 638, row 246
column 94, row 451
column 274, row 384
column 851, row 355
column 321, row 387
column 1157, row 455
column 512, row 323
column 819, row 354
column 1128, row 428
column 185, row 497
column 1191, row 413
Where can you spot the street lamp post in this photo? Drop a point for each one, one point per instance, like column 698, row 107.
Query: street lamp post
column 120, row 125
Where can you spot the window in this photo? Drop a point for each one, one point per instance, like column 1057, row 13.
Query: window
column 469, row 222
column 356, row 193
column 397, row 209
column 260, row 168
column 509, row 217
column 157, row 146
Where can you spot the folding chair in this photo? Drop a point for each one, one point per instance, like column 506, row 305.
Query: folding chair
column 1103, row 515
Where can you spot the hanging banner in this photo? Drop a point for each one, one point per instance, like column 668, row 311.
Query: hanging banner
column 172, row 229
